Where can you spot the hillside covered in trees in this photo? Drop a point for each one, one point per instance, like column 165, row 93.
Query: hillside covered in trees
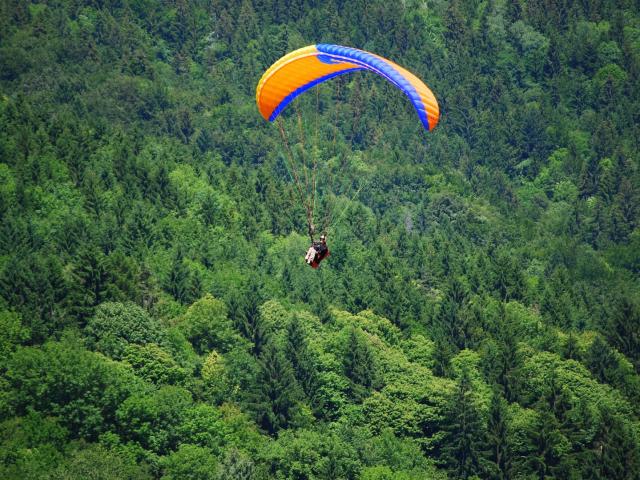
column 479, row 315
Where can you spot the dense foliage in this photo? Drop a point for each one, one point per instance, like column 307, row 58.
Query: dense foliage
column 479, row 316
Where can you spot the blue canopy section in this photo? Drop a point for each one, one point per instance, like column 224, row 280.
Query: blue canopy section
column 377, row 65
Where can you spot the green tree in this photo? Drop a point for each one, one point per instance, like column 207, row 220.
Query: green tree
column 206, row 325
column 82, row 388
column 602, row 360
column 277, row 396
column 115, row 325
column 616, row 447
column 153, row 419
column 235, row 466
column 245, row 313
column 12, row 333
column 89, row 282
column 35, row 286
column 217, row 383
column 464, row 429
column 178, row 280
column 623, row 327
column 31, row 445
column 189, row 462
column 154, row 364
column 497, row 454
column 100, row 463
column 359, row 366
column 299, row 353
column 549, row 447
column 311, row 454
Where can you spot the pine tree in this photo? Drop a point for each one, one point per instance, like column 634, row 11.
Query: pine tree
column 457, row 31
column 508, row 364
column 570, row 349
column 464, row 430
column 443, row 353
column 35, row 287
column 320, row 305
column 177, row 283
column 625, row 210
column 616, row 447
column 454, row 317
column 278, row 393
column 247, row 24
column 601, row 360
column 359, row 364
column 623, row 327
column 298, row 352
column 514, row 10
column 89, row 282
column 497, row 461
column 545, row 458
column 244, row 310
column 196, row 287
column 124, row 278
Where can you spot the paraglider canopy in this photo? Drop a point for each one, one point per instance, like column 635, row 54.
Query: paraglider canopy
column 306, row 67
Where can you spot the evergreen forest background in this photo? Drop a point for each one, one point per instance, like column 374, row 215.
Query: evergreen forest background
column 479, row 316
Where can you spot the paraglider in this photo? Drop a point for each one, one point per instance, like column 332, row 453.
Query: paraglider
column 317, row 252
column 302, row 69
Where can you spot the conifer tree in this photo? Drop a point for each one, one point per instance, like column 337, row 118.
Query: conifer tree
column 497, row 461
column 90, row 278
column 443, row 352
column 548, row 446
column 359, row 364
column 616, row 448
column 570, row 349
column 464, row 430
column 299, row 354
column 601, row 360
column 278, row 393
column 244, row 311
column 177, row 283
column 623, row 327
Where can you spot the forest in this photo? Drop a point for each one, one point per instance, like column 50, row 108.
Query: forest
column 479, row 314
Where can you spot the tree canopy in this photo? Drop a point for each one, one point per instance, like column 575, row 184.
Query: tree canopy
column 479, row 315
